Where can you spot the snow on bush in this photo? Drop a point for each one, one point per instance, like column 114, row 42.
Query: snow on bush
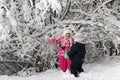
column 23, row 29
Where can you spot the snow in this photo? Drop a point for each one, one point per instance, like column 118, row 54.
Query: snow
column 55, row 5
column 45, row 4
column 107, row 69
column 113, row 20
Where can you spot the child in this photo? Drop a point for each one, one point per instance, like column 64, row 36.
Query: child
column 65, row 42
column 76, row 54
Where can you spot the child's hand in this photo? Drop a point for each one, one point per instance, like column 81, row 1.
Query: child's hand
column 66, row 56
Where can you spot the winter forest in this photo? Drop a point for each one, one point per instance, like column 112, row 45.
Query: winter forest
column 25, row 23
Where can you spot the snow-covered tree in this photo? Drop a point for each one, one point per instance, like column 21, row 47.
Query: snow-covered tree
column 24, row 24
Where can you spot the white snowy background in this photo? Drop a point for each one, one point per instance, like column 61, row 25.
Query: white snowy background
column 26, row 55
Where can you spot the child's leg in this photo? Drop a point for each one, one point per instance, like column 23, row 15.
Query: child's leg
column 79, row 68
column 73, row 70
column 63, row 64
column 68, row 64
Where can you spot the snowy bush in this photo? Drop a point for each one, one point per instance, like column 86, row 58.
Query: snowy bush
column 25, row 23
column 26, row 72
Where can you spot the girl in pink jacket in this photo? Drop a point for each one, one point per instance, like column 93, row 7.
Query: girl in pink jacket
column 64, row 42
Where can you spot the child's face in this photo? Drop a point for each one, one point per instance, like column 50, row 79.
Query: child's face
column 67, row 35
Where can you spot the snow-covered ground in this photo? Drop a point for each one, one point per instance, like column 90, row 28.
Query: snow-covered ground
column 108, row 69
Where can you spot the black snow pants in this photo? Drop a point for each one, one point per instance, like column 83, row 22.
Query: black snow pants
column 76, row 68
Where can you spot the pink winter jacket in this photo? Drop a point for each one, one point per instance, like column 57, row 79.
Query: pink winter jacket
column 64, row 44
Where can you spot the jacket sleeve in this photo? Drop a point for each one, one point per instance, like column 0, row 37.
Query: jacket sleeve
column 55, row 40
column 72, row 51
